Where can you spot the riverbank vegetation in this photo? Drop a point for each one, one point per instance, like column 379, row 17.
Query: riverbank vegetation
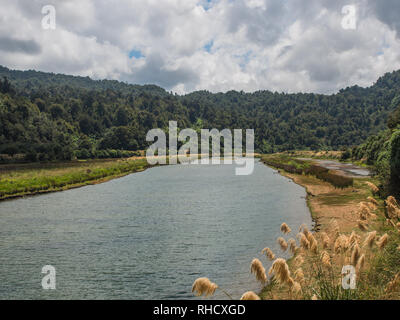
column 382, row 151
column 353, row 227
column 46, row 117
column 28, row 179
column 307, row 167
column 356, row 229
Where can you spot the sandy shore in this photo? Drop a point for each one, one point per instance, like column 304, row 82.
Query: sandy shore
column 327, row 202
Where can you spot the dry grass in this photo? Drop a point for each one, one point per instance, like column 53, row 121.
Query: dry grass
column 203, row 286
column 318, row 261
column 282, row 243
column 280, row 271
column 258, row 270
column 269, row 254
column 285, row 228
column 250, row 295
column 373, row 187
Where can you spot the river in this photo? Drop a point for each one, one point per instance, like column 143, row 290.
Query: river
column 147, row 235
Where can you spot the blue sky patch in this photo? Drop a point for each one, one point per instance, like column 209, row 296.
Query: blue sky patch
column 208, row 46
column 137, row 54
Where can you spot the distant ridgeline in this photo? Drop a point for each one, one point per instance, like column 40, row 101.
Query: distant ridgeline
column 45, row 116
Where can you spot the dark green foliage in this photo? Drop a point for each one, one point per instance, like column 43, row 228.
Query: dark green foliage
column 383, row 152
column 49, row 115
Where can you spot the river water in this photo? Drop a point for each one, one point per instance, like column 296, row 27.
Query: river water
column 147, row 235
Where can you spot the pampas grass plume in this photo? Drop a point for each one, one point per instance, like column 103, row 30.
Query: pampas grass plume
column 304, row 243
column 281, row 272
column 372, row 200
column 370, row 239
column 299, row 275
column 203, row 286
column 355, row 255
column 341, row 244
column 292, row 245
column 268, row 252
column 362, row 225
column 373, row 187
column 382, row 241
column 250, row 295
column 360, row 263
column 299, row 260
column 285, row 228
column 258, row 270
column 326, row 242
column 325, row 259
column 313, row 243
column 354, row 239
column 282, row 243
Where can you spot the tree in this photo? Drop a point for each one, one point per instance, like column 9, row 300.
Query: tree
column 56, row 111
column 120, row 138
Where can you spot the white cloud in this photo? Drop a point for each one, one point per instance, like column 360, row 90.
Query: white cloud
column 215, row 45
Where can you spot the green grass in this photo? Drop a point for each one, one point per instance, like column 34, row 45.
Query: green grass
column 37, row 178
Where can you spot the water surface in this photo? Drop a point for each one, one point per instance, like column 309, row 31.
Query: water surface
column 147, row 235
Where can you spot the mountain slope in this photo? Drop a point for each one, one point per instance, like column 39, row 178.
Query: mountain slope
column 65, row 116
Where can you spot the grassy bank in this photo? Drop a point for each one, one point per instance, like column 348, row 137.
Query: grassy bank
column 353, row 228
column 30, row 179
column 337, row 213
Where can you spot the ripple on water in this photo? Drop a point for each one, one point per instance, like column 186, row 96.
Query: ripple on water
column 148, row 235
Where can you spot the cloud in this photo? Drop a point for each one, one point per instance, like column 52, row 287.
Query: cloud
column 217, row 45
column 388, row 12
column 19, row 46
column 154, row 71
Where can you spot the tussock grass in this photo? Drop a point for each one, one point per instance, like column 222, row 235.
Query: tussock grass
column 371, row 246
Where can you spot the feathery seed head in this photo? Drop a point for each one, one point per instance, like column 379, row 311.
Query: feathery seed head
column 360, row 263
column 373, row 187
column 325, row 240
column 355, row 255
column 203, row 286
column 268, row 252
column 341, row 244
column 382, row 241
column 280, row 270
column 285, row 228
column 282, row 243
column 299, row 275
column 250, row 295
column 372, row 200
column 370, row 239
column 325, row 259
column 258, row 270
column 304, row 243
column 292, row 245
column 299, row 260
column 362, row 225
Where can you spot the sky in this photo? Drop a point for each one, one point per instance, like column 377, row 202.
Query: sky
column 215, row 45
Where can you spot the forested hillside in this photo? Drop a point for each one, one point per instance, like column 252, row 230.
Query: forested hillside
column 383, row 152
column 47, row 116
